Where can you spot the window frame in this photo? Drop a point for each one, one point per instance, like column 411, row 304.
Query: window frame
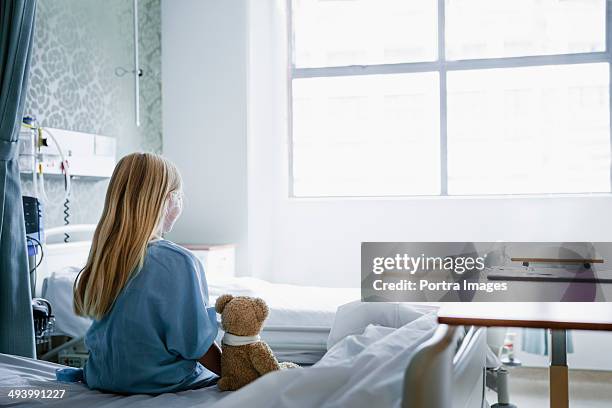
column 442, row 66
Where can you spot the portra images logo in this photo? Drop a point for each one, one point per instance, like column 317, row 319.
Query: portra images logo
column 411, row 264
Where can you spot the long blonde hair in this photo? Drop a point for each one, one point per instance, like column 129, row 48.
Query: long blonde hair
column 134, row 205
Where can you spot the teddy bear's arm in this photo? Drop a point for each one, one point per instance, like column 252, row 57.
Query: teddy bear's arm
column 263, row 359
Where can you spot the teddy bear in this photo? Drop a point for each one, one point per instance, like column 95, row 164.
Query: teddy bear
column 245, row 357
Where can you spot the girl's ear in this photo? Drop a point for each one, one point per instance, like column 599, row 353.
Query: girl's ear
column 222, row 301
column 261, row 309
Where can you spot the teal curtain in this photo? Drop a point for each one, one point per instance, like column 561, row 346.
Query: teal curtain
column 16, row 35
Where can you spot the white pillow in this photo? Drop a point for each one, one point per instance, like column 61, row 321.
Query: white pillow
column 354, row 317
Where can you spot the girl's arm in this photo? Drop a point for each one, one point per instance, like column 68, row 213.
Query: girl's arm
column 212, row 359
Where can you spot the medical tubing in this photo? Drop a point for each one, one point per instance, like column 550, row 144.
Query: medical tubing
column 64, row 166
column 41, row 184
column 67, row 184
column 42, row 252
column 66, row 217
column 35, row 184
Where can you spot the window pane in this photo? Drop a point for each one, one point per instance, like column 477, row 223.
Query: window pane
column 529, row 130
column 361, row 32
column 369, row 135
column 494, row 28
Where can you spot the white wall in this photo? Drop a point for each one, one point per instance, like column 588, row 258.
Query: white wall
column 319, row 241
column 204, row 62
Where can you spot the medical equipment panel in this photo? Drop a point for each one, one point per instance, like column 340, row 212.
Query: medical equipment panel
column 87, row 155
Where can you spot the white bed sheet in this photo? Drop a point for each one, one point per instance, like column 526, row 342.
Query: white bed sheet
column 361, row 370
column 25, row 373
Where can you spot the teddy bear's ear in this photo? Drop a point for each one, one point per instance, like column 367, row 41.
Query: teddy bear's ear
column 261, row 309
column 222, row 301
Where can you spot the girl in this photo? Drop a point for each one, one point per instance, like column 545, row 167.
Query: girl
column 152, row 328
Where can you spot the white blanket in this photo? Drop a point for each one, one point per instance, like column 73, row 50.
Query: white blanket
column 362, row 370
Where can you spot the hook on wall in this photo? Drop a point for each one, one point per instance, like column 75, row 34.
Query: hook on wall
column 120, row 71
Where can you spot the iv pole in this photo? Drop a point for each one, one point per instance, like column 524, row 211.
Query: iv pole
column 120, row 71
column 137, row 70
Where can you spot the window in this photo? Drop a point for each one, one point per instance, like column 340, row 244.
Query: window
column 449, row 97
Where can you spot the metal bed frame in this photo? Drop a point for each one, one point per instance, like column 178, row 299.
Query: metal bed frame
column 448, row 370
column 313, row 347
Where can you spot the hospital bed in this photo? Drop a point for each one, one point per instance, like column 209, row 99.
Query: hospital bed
column 447, row 370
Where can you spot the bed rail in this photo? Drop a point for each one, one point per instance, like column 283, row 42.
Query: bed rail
column 440, row 375
column 308, row 347
column 469, row 369
column 301, row 329
column 429, row 371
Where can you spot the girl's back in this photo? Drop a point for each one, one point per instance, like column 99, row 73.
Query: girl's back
column 147, row 296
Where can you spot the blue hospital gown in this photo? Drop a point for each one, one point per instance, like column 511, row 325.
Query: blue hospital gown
column 158, row 327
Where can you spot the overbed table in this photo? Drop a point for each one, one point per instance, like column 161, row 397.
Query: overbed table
column 557, row 317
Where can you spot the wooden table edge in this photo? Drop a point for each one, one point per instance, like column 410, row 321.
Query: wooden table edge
column 535, row 324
